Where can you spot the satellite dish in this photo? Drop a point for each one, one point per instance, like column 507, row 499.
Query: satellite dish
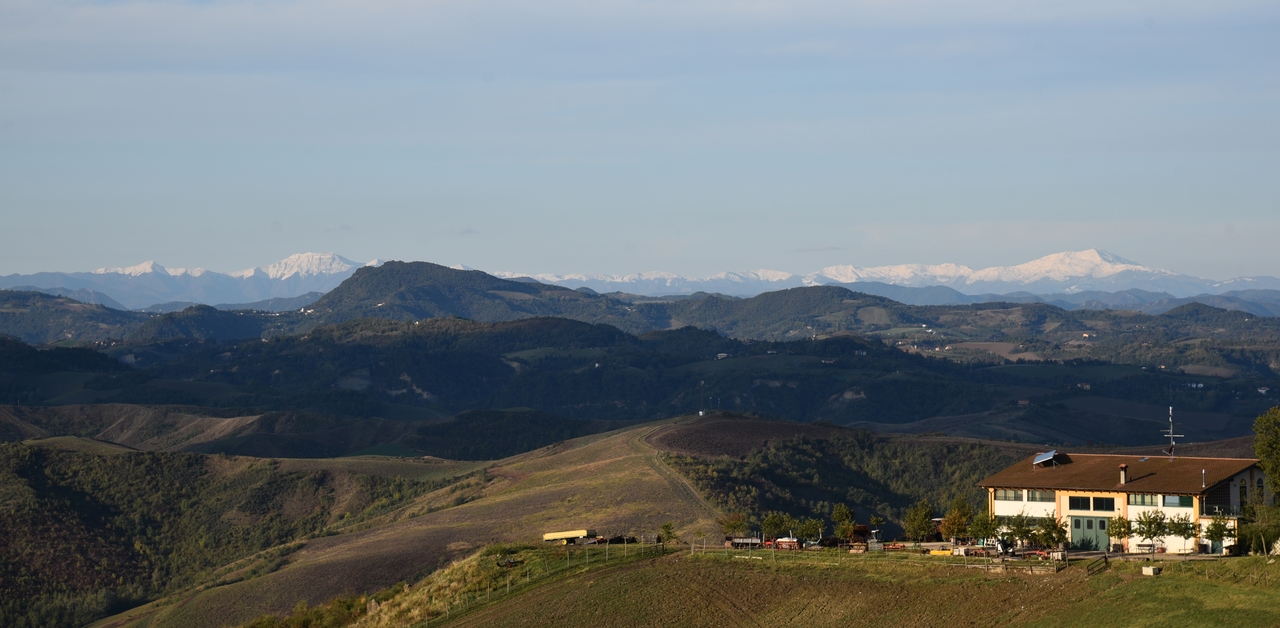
column 1045, row 457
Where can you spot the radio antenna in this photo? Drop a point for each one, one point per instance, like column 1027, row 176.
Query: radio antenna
column 1171, row 435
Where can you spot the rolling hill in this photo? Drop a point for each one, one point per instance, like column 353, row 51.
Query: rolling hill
column 91, row 530
column 616, row 483
column 40, row 318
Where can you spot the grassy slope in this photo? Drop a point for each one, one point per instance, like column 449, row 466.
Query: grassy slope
column 832, row 589
column 616, row 483
column 609, row 482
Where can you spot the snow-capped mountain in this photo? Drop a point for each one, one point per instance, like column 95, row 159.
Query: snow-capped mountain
column 1067, row 272
column 149, row 283
column 150, row 267
column 305, row 265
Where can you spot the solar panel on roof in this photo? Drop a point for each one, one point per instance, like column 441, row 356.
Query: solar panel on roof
column 1045, row 457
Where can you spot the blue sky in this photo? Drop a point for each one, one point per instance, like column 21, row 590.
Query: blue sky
column 692, row 137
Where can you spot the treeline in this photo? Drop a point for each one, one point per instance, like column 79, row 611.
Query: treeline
column 872, row 475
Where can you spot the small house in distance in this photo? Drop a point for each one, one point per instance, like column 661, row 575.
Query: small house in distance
column 1088, row 489
column 568, row 537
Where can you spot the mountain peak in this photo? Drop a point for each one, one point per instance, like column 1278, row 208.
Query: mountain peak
column 136, row 270
column 305, row 265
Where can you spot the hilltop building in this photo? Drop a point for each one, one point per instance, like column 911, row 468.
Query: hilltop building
column 1088, row 489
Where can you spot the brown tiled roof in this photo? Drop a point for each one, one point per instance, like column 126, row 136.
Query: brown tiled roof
column 1101, row 472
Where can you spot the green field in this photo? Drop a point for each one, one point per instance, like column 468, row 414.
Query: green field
column 528, row 586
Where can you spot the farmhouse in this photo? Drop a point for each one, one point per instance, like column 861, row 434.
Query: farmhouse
column 1088, row 489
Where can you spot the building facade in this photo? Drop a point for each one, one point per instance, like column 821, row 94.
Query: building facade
column 1085, row 490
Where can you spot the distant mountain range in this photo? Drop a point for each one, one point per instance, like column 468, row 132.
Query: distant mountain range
column 1070, row 272
column 149, row 283
column 1090, row 279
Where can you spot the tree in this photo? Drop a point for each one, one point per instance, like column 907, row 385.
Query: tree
column 1218, row 531
column 1182, row 527
column 1119, row 528
column 776, row 524
column 811, row 528
column 956, row 522
column 984, row 526
column 1266, row 444
column 918, row 524
column 1020, row 527
column 841, row 514
column 1050, row 532
column 847, row 531
column 1262, row 528
column 1150, row 526
column 668, row 533
column 733, row 524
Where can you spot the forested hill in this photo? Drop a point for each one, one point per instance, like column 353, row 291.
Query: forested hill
column 410, row 291
column 570, row 369
column 418, row 290
column 40, row 318
column 90, row 533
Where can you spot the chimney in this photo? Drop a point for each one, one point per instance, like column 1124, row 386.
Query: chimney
column 1124, row 474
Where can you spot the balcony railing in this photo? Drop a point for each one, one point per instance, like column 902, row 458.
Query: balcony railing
column 1209, row 510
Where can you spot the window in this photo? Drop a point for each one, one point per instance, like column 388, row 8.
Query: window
column 1075, row 523
column 1039, row 496
column 1104, row 503
column 1244, row 491
column 1088, row 524
column 1102, row 524
column 1008, row 495
column 1177, row 501
column 1143, row 499
column 1078, row 503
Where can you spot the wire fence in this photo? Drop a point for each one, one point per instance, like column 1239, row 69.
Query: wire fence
column 559, row 562
column 552, row 564
column 1261, row 571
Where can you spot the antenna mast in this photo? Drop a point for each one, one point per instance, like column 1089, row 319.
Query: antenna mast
column 1171, row 435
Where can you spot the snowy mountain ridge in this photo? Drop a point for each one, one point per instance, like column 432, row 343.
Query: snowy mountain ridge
column 306, row 265
column 149, row 283
column 1066, row 272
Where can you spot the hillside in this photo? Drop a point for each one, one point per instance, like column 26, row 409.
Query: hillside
column 805, row 475
column 836, row 589
column 359, row 381
column 610, row 482
column 616, row 483
column 91, row 531
column 39, row 318
column 573, row 369
column 472, row 435
column 621, row 484
column 202, row 322
column 411, row 291
column 408, row 518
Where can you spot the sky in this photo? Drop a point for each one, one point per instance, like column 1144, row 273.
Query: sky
column 618, row 136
